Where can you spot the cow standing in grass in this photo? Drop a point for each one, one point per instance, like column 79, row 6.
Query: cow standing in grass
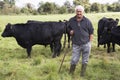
column 105, row 25
column 30, row 34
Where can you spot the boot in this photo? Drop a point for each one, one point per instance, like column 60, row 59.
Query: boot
column 83, row 70
column 72, row 69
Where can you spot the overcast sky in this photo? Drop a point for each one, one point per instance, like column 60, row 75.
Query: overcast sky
column 59, row 2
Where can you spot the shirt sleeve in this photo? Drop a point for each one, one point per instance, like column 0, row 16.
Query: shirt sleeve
column 69, row 25
column 90, row 27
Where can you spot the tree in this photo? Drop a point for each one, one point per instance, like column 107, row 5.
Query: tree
column 25, row 10
column 6, row 1
column 87, row 8
column 80, row 2
column 95, row 7
column 68, row 7
column 116, row 7
column 62, row 10
column 29, row 7
column 10, row 2
column 67, row 4
column 47, row 8
column 103, row 8
column 109, row 7
column 1, row 4
column 84, row 3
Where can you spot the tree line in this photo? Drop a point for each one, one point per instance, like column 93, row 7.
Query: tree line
column 8, row 7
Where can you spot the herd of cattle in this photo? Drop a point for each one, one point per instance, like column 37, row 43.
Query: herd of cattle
column 50, row 33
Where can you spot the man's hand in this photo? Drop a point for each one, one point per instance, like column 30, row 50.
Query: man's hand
column 71, row 32
column 91, row 37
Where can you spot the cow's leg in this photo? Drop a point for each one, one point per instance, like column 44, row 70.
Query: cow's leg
column 113, row 45
column 29, row 51
column 52, row 47
column 98, row 40
column 108, row 47
column 57, row 49
column 104, row 45
column 68, row 40
column 97, row 45
column 54, row 50
column 64, row 44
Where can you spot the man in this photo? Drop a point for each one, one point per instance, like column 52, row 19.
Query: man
column 81, row 31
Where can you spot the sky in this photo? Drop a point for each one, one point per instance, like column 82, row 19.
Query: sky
column 21, row 3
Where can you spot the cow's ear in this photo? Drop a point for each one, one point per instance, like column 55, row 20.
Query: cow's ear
column 9, row 24
column 60, row 20
column 65, row 20
column 117, row 19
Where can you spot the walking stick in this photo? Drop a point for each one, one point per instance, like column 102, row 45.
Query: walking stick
column 64, row 47
column 62, row 61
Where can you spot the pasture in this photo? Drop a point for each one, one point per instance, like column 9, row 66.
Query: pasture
column 15, row 66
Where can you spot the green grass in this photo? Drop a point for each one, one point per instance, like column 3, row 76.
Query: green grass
column 15, row 66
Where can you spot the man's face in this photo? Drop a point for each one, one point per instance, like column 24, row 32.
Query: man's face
column 79, row 13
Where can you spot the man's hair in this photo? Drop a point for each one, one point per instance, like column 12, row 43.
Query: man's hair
column 80, row 8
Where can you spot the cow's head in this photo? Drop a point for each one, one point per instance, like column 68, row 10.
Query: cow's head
column 117, row 21
column 106, row 33
column 67, row 24
column 109, row 24
column 7, row 31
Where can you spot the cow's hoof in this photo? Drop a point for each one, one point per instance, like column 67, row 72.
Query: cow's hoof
column 104, row 46
column 68, row 46
column 28, row 56
column 58, row 55
column 113, row 51
column 53, row 56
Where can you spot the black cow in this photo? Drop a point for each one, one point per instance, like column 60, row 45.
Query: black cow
column 105, row 25
column 66, row 30
column 115, row 32
column 30, row 34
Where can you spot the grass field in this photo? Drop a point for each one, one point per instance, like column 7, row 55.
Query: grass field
column 15, row 66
